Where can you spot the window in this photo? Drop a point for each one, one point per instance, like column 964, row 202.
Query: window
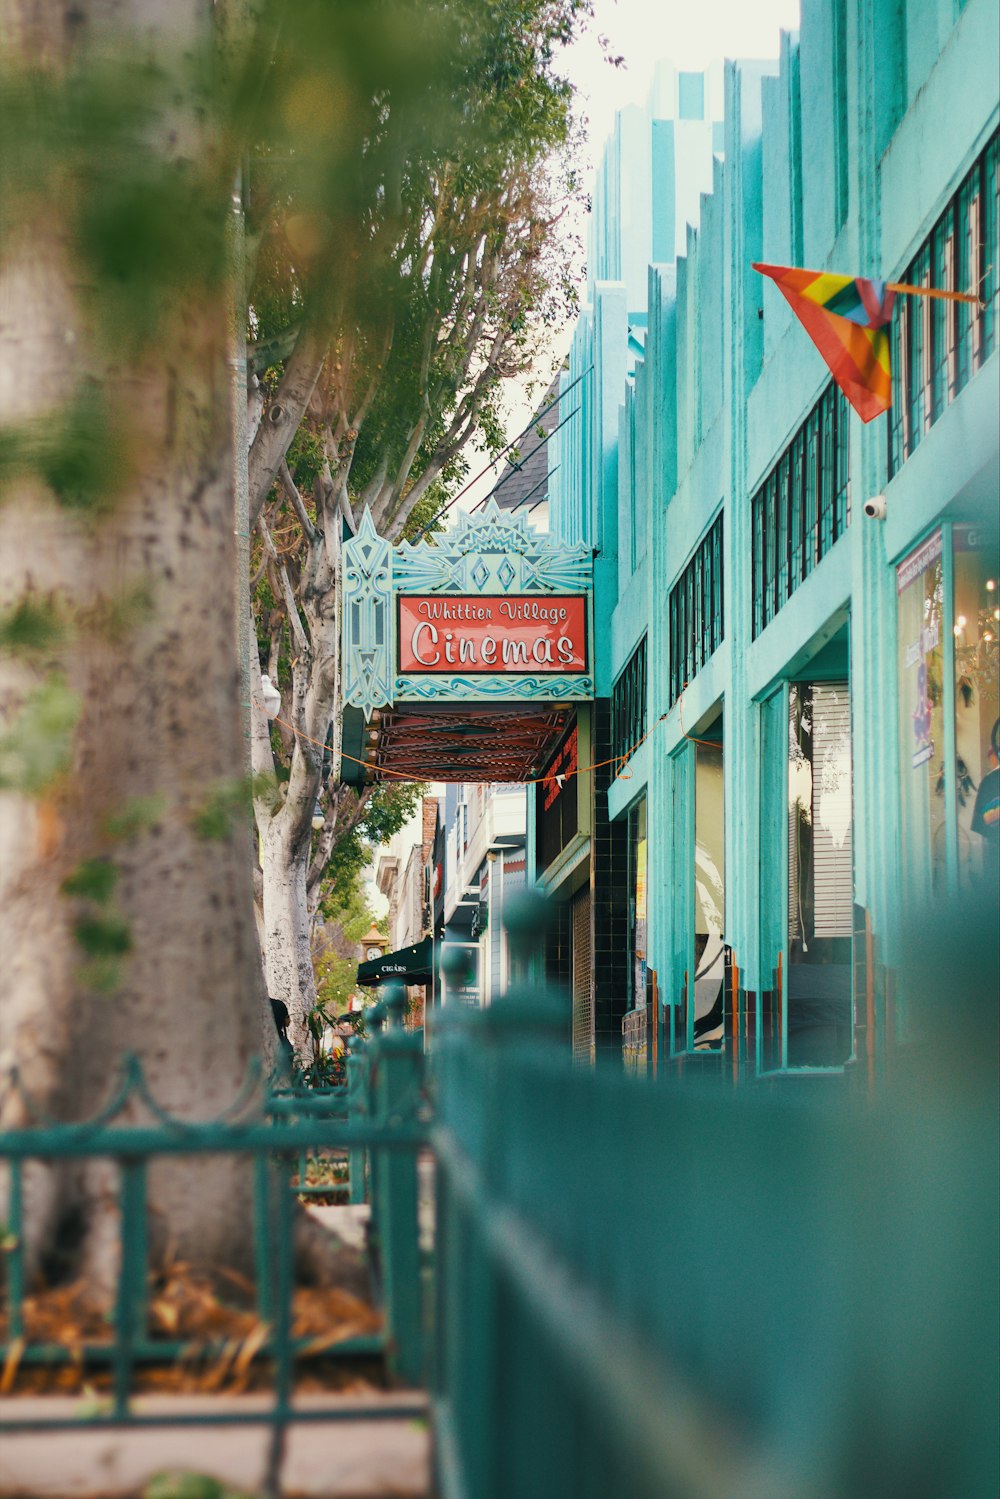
column 557, row 800
column 937, row 346
column 696, row 611
column 628, row 706
column 802, row 508
column 948, row 597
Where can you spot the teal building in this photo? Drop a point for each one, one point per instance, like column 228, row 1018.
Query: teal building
column 794, row 741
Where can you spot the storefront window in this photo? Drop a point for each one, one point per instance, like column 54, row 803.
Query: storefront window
column 818, row 1019
column 976, row 625
column 709, row 967
column 920, row 594
column 949, row 621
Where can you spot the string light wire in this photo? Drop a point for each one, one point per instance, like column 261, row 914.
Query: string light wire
column 620, row 760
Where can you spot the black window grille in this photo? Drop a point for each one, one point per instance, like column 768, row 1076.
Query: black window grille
column 628, row 705
column 937, row 346
column 802, row 508
column 695, row 611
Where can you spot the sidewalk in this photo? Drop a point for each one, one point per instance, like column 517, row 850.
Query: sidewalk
column 383, row 1458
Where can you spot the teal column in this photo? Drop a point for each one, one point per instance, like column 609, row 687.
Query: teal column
column 130, row 1313
column 399, row 1079
column 357, row 1113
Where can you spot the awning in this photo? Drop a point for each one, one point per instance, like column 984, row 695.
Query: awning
column 409, row 965
column 451, row 741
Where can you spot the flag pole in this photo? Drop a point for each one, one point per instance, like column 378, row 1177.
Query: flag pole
column 933, row 291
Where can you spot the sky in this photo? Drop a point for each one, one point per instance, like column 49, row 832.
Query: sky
column 692, row 34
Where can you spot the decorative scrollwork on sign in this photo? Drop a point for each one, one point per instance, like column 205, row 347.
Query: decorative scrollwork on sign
column 492, row 553
column 369, row 631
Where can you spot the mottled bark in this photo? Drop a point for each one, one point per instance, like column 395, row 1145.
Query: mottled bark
column 284, row 823
column 145, row 592
column 279, row 424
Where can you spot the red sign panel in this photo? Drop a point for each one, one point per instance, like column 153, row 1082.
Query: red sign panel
column 480, row 634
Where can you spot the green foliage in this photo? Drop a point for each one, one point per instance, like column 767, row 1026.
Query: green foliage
column 346, row 919
column 102, row 934
column 94, row 879
column 137, row 815
column 184, row 1485
column 306, row 457
column 149, row 232
column 117, row 617
column 411, row 223
column 327, row 1071
column 31, row 626
column 80, row 454
column 388, row 808
column 108, row 936
column 37, row 747
column 98, row 149
column 425, row 516
column 345, row 913
column 228, row 802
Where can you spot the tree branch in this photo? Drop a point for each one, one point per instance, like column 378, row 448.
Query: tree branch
column 283, row 415
column 294, row 618
column 291, row 489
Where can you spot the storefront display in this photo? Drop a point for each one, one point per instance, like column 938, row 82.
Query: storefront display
column 709, row 967
column 948, row 624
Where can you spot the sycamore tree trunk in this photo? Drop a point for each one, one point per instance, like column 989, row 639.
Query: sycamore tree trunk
column 289, row 847
column 126, row 917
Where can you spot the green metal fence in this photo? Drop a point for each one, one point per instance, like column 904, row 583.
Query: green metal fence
column 642, row 1289
column 685, row 1289
column 377, row 1123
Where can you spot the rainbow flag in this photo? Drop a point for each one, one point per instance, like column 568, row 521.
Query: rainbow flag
column 846, row 317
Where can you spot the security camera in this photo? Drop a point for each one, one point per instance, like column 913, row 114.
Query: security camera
column 875, row 507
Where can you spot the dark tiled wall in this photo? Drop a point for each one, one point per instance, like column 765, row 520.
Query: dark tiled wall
column 559, row 955
column 559, row 945
column 609, row 876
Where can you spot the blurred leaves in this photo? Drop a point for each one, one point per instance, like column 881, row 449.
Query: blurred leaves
column 94, row 879
column 387, row 809
column 81, row 452
column 137, row 815
column 228, row 802
column 32, row 626
column 106, row 936
column 105, row 939
column 36, row 748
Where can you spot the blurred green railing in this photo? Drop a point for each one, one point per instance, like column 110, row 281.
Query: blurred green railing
column 378, row 1118
column 685, row 1289
column 642, row 1289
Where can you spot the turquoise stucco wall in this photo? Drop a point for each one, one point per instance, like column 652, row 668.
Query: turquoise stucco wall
column 839, row 154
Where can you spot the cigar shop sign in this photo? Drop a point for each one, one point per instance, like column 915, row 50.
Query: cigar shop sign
column 491, row 610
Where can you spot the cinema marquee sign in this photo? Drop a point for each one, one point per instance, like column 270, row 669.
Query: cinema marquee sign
column 484, row 635
column 491, row 610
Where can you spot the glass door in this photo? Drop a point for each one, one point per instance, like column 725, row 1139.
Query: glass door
column 817, row 1011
